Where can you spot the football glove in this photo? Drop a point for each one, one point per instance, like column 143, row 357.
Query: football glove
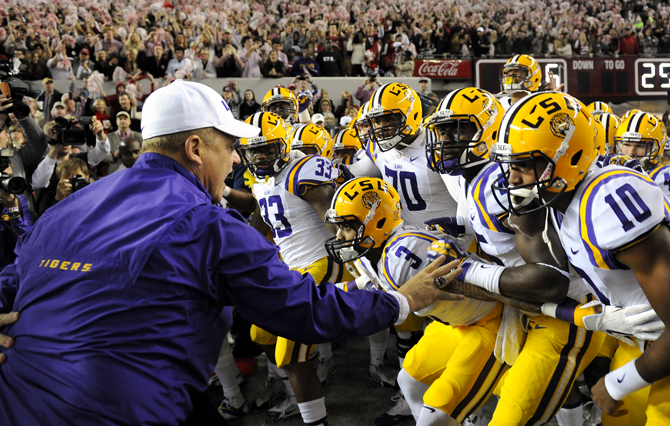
column 452, row 226
column 304, row 100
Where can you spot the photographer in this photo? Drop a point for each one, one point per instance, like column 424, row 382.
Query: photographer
column 72, row 176
column 25, row 160
column 46, row 179
column 16, row 218
column 365, row 90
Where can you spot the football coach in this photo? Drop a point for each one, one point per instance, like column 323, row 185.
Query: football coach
column 121, row 295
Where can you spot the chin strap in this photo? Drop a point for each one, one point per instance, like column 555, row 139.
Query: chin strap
column 545, row 236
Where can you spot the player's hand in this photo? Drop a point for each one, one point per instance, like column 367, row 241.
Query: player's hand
column 6, row 341
column 621, row 323
column 344, row 174
column 421, row 290
column 605, row 401
column 304, row 100
column 453, row 226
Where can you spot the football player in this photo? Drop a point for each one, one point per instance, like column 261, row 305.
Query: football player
column 465, row 125
column 642, row 136
column 608, row 125
column 347, row 148
column 293, row 194
column 612, row 224
column 311, row 139
column 396, row 153
column 519, row 77
column 452, row 364
column 597, row 108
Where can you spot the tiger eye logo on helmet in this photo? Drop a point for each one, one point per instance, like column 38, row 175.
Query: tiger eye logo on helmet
column 369, row 199
column 560, row 124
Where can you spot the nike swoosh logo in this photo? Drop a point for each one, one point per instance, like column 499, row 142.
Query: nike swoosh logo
column 432, row 410
column 485, row 266
column 573, row 251
column 292, row 410
column 621, row 379
column 538, row 327
column 411, row 160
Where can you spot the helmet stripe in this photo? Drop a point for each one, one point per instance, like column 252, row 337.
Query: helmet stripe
column 635, row 122
column 450, row 98
column 257, row 119
column 377, row 99
column 509, row 115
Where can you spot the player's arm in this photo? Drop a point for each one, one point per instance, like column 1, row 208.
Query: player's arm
column 544, row 277
column 648, row 259
column 320, row 198
column 240, row 200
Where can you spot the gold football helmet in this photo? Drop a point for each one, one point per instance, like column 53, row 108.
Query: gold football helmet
column 641, row 136
column 282, row 102
column 462, row 129
column 546, row 127
column 598, row 108
column 521, row 73
column 369, row 206
column 362, row 125
column 609, row 124
column 394, row 114
column 312, row 140
column 268, row 153
column 629, row 113
column 346, row 145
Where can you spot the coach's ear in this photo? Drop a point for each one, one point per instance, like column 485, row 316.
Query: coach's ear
column 193, row 150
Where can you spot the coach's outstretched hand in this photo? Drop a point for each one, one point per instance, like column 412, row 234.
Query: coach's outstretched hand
column 6, row 341
column 421, row 289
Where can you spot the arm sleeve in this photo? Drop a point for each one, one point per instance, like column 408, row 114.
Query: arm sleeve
column 36, row 145
column 310, row 171
column 365, row 167
column 43, row 172
column 101, row 150
column 251, row 277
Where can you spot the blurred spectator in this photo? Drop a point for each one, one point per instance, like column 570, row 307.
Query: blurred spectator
column 293, row 88
column 628, row 44
column 178, row 62
column 36, row 69
column 121, row 133
column 480, row 43
column 347, row 102
column 356, row 48
column 365, row 90
column 562, row 47
column 109, row 43
column 423, row 86
column 231, row 94
column 157, row 64
column 405, row 67
column 306, row 64
column 273, row 67
column 249, row 106
column 649, row 43
column 324, row 106
column 203, row 67
column 318, row 120
column 537, row 45
column 330, row 61
column 16, row 137
column 47, row 99
column 330, row 123
column 100, row 112
column 16, row 219
column 65, row 172
column 249, row 54
column 60, row 65
column 74, row 105
column 582, row 45
column 82, row 66
column 278, row 46
column 227, row 63
column 129, row 152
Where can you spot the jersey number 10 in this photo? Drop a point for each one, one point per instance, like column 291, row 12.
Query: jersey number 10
column 638, row 209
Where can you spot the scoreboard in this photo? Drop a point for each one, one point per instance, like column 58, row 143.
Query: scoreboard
column 591, row 79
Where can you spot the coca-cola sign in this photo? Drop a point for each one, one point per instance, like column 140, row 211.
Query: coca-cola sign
column 443, row 68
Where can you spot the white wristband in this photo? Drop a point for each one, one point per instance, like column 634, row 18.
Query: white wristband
column 404, row 307
column 485, row 275
column 624, row 380
column 226, row 191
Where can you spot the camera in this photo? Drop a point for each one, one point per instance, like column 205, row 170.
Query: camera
column 15, row 88
column 78, row 182
column 9, row 183
column 66, row 131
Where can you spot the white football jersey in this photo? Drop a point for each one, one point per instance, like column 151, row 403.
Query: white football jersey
column 422, row 192
column 661, row 175
column 403, row 257
column 494, row 237
column 297, row 228
column 613, row 207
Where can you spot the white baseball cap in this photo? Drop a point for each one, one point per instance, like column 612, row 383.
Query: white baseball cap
column 318, row 117
column 186, row 105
